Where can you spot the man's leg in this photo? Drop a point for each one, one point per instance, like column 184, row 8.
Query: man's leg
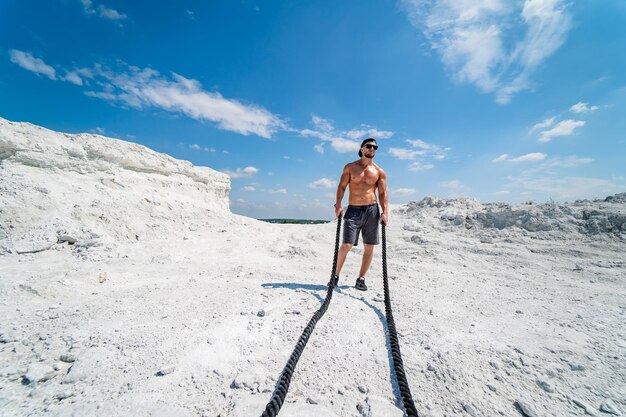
column 368, row 254
column 341, row 257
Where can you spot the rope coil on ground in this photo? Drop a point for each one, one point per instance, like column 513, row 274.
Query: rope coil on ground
column 405, row 391
column 278, row 397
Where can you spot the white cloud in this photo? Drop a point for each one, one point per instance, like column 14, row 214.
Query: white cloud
column 102, row 11
column 246, row 172
column 27, row 61
column 276, row 191
column 452, row 185
column 248, row 188
column 366, row 131
column 479, row 40
column 419, row 148
column 529, row 157
column 502, row 192
column 569, row 187
column 323, row 183
column 340, row 140
column 402, row 192
column 73, row 78
column 563, row 128
column 566, row 162
column 419, row 166
column 542, row 125
column 418, row 143
column 141, row 88
column 110, row 13
column 581, row 107
column 405, row 154
column 344, row 146
column 501, row 158
column 319, row 147
column 195, row 146
column 85, row 72
column 207, row 149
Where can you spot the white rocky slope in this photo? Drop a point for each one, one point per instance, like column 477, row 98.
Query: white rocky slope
column 168, row 305
column 98, row 190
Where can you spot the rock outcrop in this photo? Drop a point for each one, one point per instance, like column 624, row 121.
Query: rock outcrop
column 84, row 189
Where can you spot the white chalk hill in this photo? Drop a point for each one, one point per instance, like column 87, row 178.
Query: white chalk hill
column 96, row 190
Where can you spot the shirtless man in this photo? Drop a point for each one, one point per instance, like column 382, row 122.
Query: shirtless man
column 363, row 214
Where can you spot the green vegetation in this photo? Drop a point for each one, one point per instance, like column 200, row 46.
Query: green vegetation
column 294, row 221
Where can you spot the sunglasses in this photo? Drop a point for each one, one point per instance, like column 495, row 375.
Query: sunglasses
column 370, row 146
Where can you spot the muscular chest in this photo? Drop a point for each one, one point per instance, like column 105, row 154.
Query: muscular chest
column 363, row 176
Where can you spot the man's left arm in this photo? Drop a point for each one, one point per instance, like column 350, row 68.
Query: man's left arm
column 382, row 196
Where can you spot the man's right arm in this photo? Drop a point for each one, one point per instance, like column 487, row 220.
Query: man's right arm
column 341, row 188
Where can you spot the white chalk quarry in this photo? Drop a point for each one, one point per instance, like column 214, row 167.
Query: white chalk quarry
column 128, row 288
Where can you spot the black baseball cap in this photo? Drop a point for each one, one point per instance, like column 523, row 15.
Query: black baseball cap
column 364, row 142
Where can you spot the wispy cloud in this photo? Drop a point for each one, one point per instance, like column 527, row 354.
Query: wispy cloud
column 479, row 41
column 554, row 166
column 569, row 187
column 73, row 78
column 102, row 11
column 276, row 191
column 248, row 188
column 419, row 166
column 422, row 150
column 566, row 162
column 405, row 154
column 342, row 141
column 581, row 107
column 323, row 183
column 451, row 185
column 366, row 131
column 563, row 128
column 141, row 88
column 553, row 178
column 27, row 61
column 419, row 148
column 197, row 147
column 401, row 192
column 529, row 157
column 246, row 172
column 545, row 124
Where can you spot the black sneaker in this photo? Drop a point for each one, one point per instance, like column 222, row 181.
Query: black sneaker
column 360, row 284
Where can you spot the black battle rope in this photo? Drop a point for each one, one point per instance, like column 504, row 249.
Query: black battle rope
column 405, row 391
column 273, row 407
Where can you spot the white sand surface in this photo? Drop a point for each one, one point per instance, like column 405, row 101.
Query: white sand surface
column 166, row 304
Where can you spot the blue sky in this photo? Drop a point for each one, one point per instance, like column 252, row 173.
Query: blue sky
column 495, row 99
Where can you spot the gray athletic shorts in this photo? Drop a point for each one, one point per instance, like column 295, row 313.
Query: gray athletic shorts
column 362, row 219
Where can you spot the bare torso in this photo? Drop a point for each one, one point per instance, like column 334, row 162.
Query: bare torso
column 363, row 182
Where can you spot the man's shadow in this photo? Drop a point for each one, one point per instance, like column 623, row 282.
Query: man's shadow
column 313, row 288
